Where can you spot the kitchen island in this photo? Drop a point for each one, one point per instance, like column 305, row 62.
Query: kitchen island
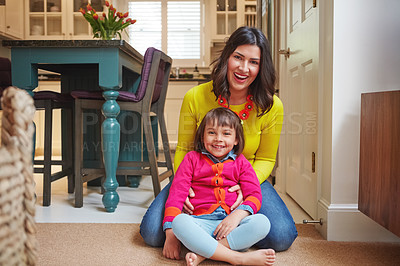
column 84, row 65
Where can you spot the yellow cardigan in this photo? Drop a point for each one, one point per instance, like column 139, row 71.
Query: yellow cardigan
column 261, row 134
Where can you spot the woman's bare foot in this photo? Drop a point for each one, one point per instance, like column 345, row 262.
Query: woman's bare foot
column 192, row 259
column 258, row 257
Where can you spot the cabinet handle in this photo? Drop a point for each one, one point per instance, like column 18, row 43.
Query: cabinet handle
column 8, row 27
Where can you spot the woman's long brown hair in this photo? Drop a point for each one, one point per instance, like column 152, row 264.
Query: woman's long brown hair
column 263, row 87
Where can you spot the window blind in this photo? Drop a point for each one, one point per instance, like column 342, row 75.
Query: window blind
column 146, row 32
column 184, row 29
column 182, row 32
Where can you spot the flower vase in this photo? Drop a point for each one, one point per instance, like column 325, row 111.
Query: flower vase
column 109, row 35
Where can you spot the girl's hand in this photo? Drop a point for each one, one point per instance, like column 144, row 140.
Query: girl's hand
column 188, row 207
column 239, row 199
column 229, row 223
column 172, row 246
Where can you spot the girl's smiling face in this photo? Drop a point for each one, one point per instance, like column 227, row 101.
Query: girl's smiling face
column 219, row 140
column 243, row 67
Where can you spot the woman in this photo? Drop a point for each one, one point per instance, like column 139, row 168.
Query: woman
column 243, row 80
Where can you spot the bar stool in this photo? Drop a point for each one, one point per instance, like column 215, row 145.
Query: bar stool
column 49, row 101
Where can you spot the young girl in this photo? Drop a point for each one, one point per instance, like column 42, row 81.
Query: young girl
column 214, row 230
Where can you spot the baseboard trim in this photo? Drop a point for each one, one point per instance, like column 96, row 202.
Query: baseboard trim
column 344, row 222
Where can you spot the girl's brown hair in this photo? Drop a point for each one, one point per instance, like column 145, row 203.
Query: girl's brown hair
column 263, row 87
column 223, row 117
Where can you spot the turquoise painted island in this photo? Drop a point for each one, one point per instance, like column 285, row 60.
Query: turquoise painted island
column 84, row 65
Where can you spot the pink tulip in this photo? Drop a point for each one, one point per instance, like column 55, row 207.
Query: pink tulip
column 82, row 11
column 95, row 16
column 133, row 21
column 107, row 4
column 89, row 7
column 126, row 14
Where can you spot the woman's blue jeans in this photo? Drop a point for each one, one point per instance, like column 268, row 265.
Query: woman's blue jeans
column 281, row 236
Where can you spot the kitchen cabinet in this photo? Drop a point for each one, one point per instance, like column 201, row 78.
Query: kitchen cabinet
column 228, row 15
column 58, row 19
column 176, row 92
column 11, row 19
column 250, row 13
column 225, row 17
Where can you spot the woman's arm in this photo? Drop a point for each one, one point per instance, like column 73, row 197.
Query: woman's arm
column 265, row 157
column 186, row 130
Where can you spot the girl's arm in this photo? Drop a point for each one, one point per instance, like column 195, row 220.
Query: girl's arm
column 229, row 223
column 177, row 194
column 179, row 190
column 251, row 194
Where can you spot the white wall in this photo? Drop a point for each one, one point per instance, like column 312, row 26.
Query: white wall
column 365, row 58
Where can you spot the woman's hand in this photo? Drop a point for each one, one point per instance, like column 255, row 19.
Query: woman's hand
column 229, row 223
column 172, row 246
column 239, row 200
column 188, row 207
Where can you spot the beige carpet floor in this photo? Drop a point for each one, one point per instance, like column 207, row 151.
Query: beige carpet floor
column 121, row 244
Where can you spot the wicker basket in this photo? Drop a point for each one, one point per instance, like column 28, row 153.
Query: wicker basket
column 17, row 190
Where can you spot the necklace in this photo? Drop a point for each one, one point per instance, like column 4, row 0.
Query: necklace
column 244, row 114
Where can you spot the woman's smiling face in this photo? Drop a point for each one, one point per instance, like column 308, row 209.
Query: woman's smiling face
column 243, row 67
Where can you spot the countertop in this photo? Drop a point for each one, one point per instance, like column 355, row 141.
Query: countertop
column 121, row 44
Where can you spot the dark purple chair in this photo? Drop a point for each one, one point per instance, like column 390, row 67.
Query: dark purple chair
column 148, row 100
column 47, row 101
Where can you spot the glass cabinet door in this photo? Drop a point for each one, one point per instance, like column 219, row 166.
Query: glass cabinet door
column 45, row 18
column 226, row 16
column 59, row 19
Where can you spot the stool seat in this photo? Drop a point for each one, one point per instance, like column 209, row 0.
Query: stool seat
column 124, row 96
column 53, row 96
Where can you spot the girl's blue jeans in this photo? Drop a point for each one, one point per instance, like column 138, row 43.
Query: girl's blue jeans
column 281, row 236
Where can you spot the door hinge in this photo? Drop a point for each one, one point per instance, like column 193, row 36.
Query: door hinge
column 320, row 221
column 313, row 162
column 314, row 3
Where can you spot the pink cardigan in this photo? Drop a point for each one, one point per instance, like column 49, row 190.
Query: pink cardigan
column 210, row 183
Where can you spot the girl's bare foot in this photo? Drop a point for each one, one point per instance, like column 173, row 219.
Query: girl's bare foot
column 259, row 257
column 193, row 259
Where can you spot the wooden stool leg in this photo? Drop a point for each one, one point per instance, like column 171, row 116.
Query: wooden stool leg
column 78, row 153
column 48, row 114
column 151, row 152
column 70, row 152
column 166, row 147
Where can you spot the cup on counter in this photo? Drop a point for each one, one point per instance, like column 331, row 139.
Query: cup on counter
column 37, row 30
column 54, row 9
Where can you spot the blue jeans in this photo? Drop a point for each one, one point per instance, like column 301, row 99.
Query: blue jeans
column 281, row 236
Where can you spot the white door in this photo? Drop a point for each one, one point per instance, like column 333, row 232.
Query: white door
column 300, row 99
